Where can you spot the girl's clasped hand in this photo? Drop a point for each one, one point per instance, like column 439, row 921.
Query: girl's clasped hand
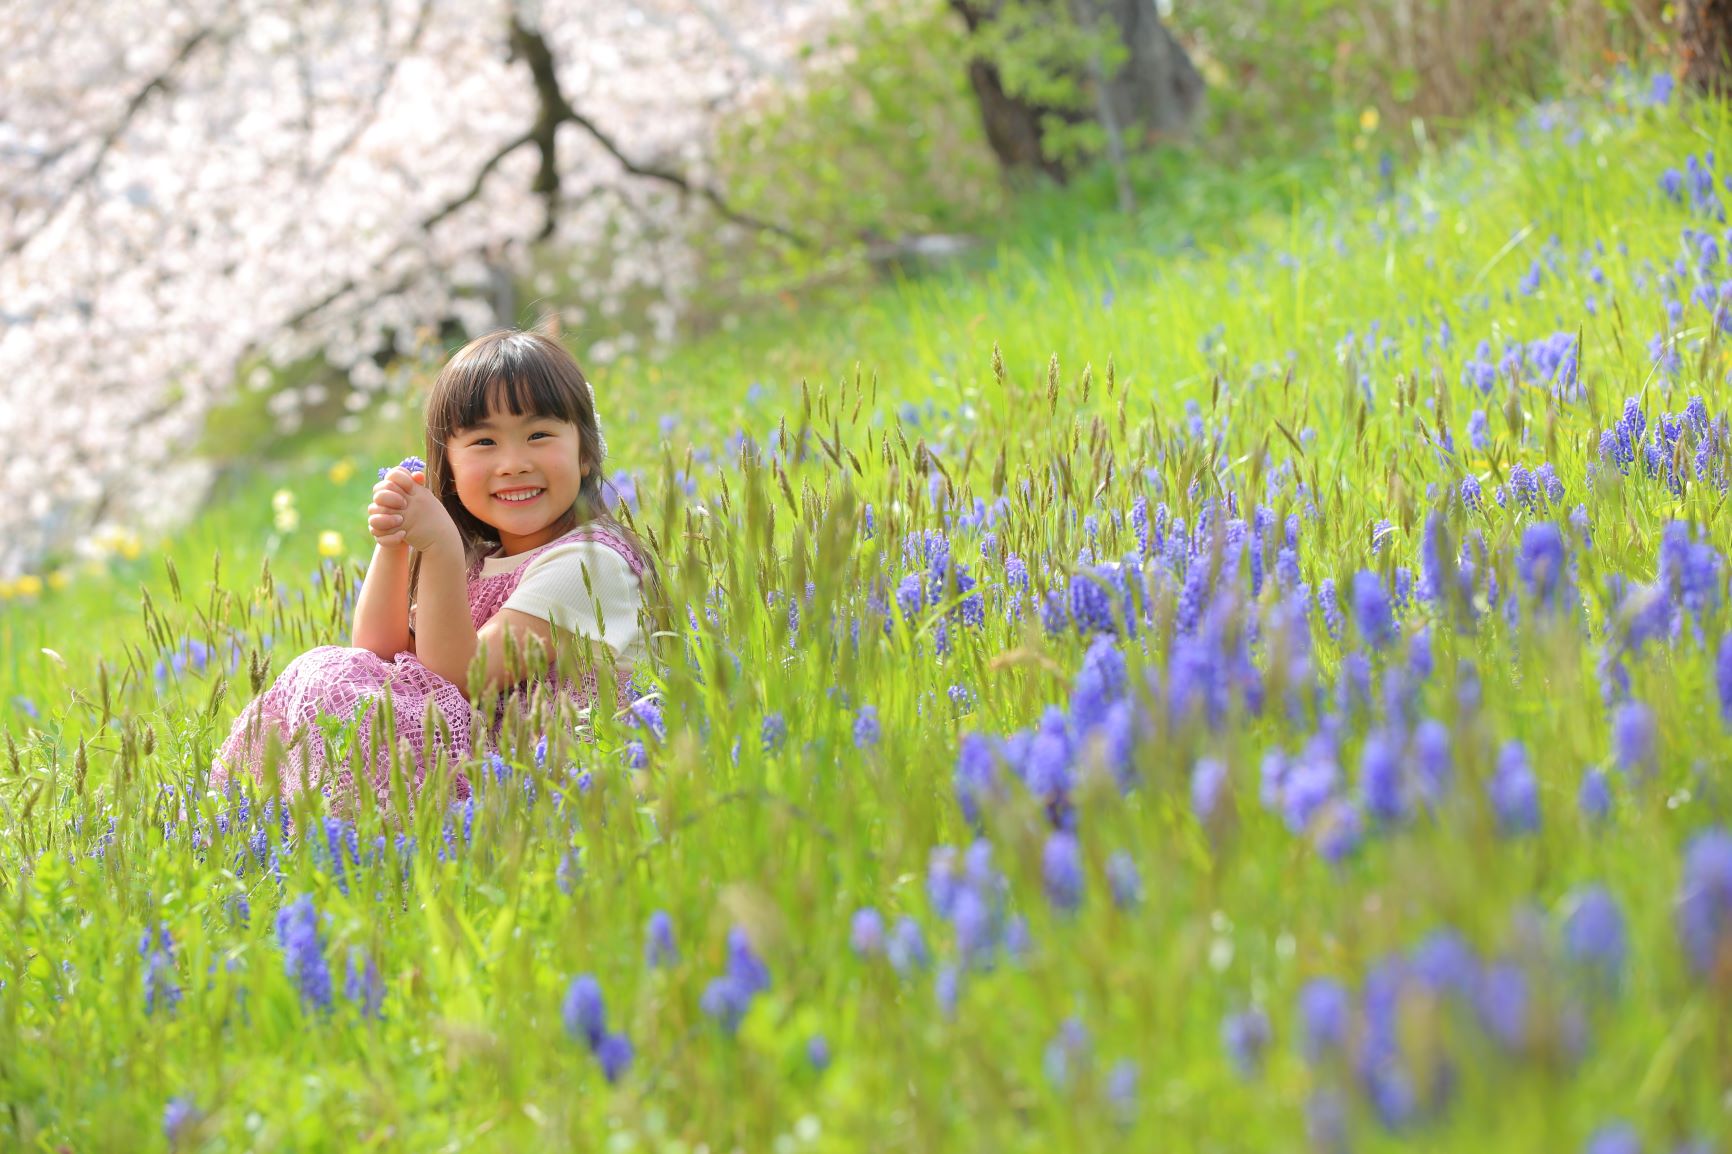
column 405, row 512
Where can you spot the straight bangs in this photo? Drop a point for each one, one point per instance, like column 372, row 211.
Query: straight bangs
column 513, row 375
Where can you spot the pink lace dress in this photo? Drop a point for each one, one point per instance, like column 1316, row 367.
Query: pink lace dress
column 340, row 684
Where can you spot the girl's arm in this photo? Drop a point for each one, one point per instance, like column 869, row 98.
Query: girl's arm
column 381, row 622
column 382, row 607
column 447, row 642
column 444, row 636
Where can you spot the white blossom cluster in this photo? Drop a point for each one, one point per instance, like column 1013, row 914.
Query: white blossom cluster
column 189, row 185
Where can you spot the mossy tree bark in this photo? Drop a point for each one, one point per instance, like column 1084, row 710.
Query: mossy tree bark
column 1705, row 43
column 1156, row 93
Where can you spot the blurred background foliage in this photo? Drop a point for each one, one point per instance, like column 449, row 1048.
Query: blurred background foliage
column 879, row 160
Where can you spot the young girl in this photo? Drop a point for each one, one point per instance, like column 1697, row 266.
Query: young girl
column 505, row 535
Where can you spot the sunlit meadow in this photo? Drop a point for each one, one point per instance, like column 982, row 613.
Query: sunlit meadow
column 1152, row 693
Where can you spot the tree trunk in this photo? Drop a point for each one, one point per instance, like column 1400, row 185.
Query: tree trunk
column 1705, row 43
column 1157, row 91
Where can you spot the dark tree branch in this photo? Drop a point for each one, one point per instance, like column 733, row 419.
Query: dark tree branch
column 530, row 46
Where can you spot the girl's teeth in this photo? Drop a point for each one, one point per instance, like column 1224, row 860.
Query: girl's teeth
column 517, row 497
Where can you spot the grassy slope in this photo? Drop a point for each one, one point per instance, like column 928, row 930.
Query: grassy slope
column 790, row 843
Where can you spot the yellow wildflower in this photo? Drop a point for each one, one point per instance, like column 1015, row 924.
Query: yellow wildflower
column 59, row 579
column 1368, row 119
column 330, row 543
column 130, row 546
column 8, row 590
column 342, row 471
column 29, row 585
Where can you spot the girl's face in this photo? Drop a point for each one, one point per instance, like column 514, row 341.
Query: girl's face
column 519, row 474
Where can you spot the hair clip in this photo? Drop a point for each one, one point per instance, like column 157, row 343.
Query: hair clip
column 594, row 413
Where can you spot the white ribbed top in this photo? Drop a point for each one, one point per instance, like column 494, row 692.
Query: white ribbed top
column 553, row 588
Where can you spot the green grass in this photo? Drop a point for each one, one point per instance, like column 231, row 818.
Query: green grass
column 1233, row 295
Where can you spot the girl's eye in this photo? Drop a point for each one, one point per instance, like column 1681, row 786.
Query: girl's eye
column 482, row 441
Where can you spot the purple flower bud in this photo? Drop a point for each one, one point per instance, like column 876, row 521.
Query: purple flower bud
column 1594, row 798
column 1208, row 779
column 1325, row 1011
column 1514, row 791
column 614, row 1052
column 867, row 932
column 946, row 986
column 1066, row 1053
column 303, row 956
column 907, row 946
column 1704, row 908
column 1502, row 999
column 1594, row 933
column 1431, row 759
column 659, row 941
column 178, row 1118
column 775, row 731
column 1633, row 736
column 1380, row 778
column 1723, row 679
column 1246, row 1036
column 584, row 1013
column 866, row 730
column 1614, row 1138
column 1122, row 1090
column 744, row 966
column 1061, row 870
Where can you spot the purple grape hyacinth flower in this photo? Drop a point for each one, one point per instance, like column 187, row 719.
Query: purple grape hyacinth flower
column 1723, row 679
column 1062, row 872
column 775, row 731
column 303, row 956
column 1380, row 777
column 1124, row 880
column 866, row 728
column 1543, row 563
column 363, row 985
column 659, row 949
column 1066, row 1053
column 160, row 986
column 866, row 933
column 1371, row 609
column 1246, row 1036
column 1325, row 1015
column 1704, row 907
column 1614, row 1138
column 1633, row 736
column 584, row 1012
column 178, row 1118
column 1514, row 791
column 614, row 1053
column 412, row 464
column 906, row 947
column 1594, row 797
column 1594, row 933
column 1208, row 781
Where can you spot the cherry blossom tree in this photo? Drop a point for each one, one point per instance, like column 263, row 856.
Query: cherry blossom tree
column 191, row 187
